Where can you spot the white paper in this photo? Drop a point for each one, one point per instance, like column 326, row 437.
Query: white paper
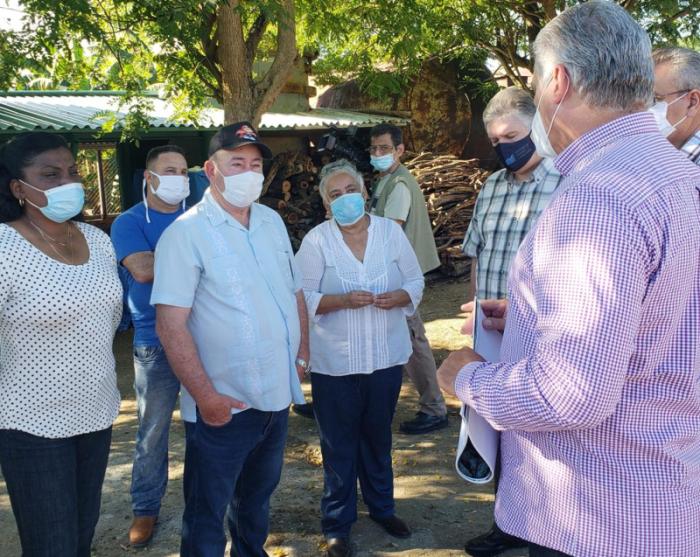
column 484, row 438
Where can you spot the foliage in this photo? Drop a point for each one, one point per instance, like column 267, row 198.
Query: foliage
column 134, row 46
column 358, row 37
column 173, row 46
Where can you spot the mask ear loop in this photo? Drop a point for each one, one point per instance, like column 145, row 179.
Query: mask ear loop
column 145, row 200
column 674, row 126
column 190, row 189
column 556, row 110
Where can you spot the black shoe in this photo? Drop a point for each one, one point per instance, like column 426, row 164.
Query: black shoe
column 394, row 526
column 338, row 547
column 493, row 542
column 423, row 423
column 306, row 410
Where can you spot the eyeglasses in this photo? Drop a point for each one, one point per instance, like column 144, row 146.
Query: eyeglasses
column 380, row 149
column 659, row 97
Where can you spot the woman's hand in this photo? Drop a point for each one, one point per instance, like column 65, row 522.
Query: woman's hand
column 358, row 299
column 391, row 300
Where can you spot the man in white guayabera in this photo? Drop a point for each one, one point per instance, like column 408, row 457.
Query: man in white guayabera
column 231, row 316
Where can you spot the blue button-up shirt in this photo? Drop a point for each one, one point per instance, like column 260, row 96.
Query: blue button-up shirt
column 240, row 284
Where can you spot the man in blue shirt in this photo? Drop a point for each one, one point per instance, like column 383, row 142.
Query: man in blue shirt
column 135, row 234
column 232, row 318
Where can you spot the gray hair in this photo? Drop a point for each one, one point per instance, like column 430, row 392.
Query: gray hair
column 341, row 166
column 511, row 100
column 685, row 64
column 606, row 54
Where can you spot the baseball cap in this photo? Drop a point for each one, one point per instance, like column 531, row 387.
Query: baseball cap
column 237, row 135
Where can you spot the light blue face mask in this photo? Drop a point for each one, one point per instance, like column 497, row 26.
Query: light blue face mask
column 62, row 202
column 348, row 208
column 383, row 163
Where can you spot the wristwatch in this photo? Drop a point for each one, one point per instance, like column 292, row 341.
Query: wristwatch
column 301, row 362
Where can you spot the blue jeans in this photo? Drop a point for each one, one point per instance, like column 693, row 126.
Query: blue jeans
column 354, row 414
column 157, row 390
column 236, row 467
column 55, row 487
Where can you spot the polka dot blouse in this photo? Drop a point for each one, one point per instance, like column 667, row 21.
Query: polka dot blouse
column 57, row 323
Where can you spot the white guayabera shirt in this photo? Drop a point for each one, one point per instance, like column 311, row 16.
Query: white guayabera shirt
column 361, row 340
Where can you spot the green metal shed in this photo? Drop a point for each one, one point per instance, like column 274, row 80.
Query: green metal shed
column 108, row 166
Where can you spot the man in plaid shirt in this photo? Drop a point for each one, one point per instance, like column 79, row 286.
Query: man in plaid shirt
column 508, row 205
column 512, row 198
column 596, row 390
column 677, row 96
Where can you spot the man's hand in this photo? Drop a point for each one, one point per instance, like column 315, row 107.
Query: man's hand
column 453, row 364
column 468, row 325
column 358, row 299
column 391, row 300
column 495, row 312
column 303, row 354
column 495, row 315
column 216, row 409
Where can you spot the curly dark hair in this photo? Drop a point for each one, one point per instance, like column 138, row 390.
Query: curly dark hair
column 16, row 155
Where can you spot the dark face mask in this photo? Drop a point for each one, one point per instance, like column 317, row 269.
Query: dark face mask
column 515, row 155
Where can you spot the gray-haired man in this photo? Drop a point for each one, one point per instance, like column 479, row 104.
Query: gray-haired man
column 677, row 96
column 596, row 394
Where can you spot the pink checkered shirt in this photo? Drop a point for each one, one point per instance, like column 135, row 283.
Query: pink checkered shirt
column 598, row 392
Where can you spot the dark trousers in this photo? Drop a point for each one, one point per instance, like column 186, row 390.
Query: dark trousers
column 541, row 551
column 55, row 487
column 354, row 414
column 236, row 467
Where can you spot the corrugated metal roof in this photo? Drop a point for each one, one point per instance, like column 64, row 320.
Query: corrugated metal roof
column 75, row 111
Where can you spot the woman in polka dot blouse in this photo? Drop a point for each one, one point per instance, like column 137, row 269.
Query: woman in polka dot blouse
column 60, row 304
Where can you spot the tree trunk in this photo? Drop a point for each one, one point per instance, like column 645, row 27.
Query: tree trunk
column 243, row 97
column 236, row 67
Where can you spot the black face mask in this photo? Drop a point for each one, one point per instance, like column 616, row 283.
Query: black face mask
column 515, row 155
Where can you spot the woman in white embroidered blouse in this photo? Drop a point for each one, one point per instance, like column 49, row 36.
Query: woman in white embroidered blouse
column 60, row 304
column 361, row 279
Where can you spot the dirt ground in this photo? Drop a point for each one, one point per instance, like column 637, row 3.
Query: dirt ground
column 442, row 510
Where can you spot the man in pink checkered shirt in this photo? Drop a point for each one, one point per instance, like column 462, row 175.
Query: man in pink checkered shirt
column 597, row 393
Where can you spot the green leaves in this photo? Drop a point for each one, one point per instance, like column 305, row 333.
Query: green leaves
column 171, row 46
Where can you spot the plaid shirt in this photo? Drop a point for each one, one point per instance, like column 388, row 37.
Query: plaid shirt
column 692, row 148
column 597, row 390
column 504, row 213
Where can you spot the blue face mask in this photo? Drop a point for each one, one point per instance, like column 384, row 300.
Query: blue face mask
column 62, row 202
column 348, row 208
column 515, row 155
column 383, row 163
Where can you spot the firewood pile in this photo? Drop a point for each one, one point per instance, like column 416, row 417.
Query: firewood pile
column 291, row 189
column 450, row 186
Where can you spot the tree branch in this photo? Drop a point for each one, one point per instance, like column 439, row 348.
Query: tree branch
column 255, row 35
column 269, row 86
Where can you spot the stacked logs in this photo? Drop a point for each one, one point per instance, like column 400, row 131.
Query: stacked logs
column 450, row 186
column 291, row 189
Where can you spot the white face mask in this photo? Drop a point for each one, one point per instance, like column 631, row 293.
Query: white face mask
column 172, row 189
column 241, row 190
column 538, row 133
column 660, row 112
